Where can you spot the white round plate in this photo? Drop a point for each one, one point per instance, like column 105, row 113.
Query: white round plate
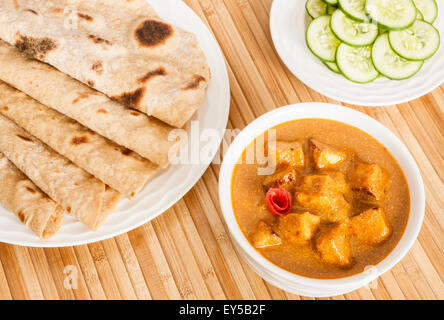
column 288, row 23
column 169, row 185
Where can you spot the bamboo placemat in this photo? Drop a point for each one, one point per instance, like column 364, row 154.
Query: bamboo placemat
column 186, row 253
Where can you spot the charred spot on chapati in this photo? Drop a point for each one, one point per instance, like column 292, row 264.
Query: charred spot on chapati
column 134, row 113
column 194, row 84
column 35, row 47
column 131, row 99
column 79, row 140
column 102, row 111
column 85, row 16
column 21, row 216
column 90, row 83
column 6, row 108
column 97, row 66
column 98, row 40
column 32, row 11
column 80, row 96
column 126, row 152
column 151, row 74
column 30, row 190
column 24, row 138
column 151, row 33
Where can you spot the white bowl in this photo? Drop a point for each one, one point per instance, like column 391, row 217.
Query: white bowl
column 288, row 23
column 304, row 285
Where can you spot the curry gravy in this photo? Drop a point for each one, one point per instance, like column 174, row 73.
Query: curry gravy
column 249, row 204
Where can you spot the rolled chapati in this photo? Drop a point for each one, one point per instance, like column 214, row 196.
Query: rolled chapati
column 145, row 135
column 119, row 47
column 21, row 196
column 78, row 192
column 118, row 167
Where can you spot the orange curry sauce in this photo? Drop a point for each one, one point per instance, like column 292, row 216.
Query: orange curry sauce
column 304, row 258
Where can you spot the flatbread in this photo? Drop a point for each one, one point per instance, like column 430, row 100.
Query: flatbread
column 144, row 135
column 111, row 199
column 78, row 192
column 121, row 48
column 21, row 196
column 118, row 167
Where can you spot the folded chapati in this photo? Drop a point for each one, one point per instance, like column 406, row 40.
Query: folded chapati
column 21, row 196
column 78, row 192
column 119, row 47
column 134, row 130
column 118, row 167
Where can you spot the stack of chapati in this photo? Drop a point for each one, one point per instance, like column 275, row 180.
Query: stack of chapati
column 93, row 127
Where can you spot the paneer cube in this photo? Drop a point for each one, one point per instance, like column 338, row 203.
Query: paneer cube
column 324, row 156
column 287, row 153
column 333, row 245
column 340, row 184
column 264, row 236
column 371, row 226
column 284, row 178
column 298, row 227
column 325, row 195
column 369, row 182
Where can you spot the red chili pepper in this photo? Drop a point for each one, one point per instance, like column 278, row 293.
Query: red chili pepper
column 278, row 201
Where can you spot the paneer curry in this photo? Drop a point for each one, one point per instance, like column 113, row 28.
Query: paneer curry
column 335, row 202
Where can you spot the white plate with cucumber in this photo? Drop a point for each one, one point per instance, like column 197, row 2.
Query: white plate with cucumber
column 362, row 52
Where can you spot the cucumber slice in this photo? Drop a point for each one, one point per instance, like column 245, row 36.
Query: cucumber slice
column 389, row 64
column 428, row 9
column 392, row 14
column 315, row 8
column 331, row 9
column 419, row 15
column 352, row 32
column 321, row 40
column 356, row 63
column 419, row 42
column 354, row 9
column 331, row 2
column 332, row 66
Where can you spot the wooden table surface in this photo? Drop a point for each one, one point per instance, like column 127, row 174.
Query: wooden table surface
column 187, row 253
